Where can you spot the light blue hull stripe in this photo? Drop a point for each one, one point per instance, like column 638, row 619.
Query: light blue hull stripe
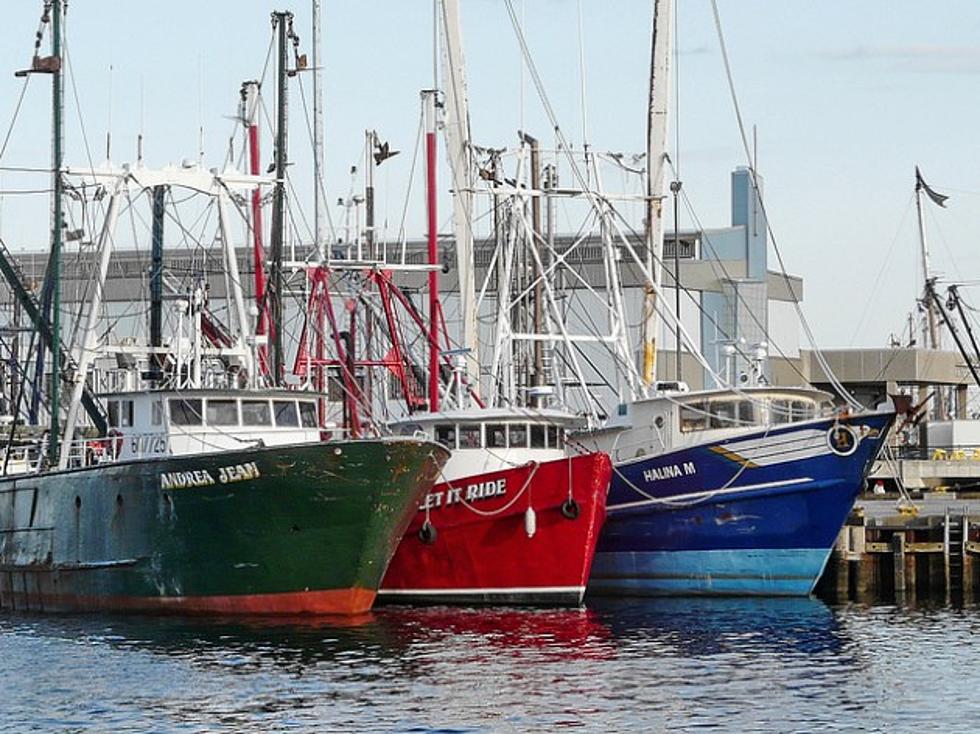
column 781, row 572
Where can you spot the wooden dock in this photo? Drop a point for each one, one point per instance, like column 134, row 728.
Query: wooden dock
column 934, row 554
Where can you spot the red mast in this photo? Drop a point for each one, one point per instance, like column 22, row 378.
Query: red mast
column 250, row 93
column 429, row 107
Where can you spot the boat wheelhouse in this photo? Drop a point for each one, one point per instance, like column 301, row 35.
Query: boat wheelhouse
column 490, row 439
column 177, row 422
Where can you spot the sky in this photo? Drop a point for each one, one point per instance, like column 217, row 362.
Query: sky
column 846, row 97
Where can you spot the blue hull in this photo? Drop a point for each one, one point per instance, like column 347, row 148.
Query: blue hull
column 752, row 515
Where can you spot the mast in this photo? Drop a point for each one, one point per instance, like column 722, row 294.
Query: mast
column 429, row 111
column 933, row 326
column 54, row 263
column 456, row 127
column 537, row 368
column 369, row 138
column 929, row 301
column 656, row 149
column 250, row 115
column 318, row 207
column 282, row 21
column 156, row 281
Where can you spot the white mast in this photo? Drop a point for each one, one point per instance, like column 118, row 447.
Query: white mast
column 933, row 326
column 929, row 282
column 457, row 132
column 656, row 157
column 318, row 207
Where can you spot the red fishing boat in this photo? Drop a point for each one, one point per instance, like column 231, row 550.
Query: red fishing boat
column 514, row 519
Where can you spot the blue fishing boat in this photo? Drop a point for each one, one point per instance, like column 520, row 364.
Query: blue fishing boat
column 727, row 492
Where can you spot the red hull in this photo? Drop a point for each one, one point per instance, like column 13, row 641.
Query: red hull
column 334, row 601
column 481, row 551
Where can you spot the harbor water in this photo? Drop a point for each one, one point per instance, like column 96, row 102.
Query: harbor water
column 776, row 665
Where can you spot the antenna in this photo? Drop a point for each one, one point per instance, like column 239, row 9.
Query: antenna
column 200, row 113
column 108, row 129
column 139, row 138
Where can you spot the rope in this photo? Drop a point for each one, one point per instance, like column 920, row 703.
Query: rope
column 696, row 499
column 837, row 385
column 500, row 510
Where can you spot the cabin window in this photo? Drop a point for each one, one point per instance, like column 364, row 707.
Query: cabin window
column 780, row 411
column 126, row 413
column 185, row 412
column 537, row 436
column 256, row 413
column 802, row 410
column 746, row 413
column 469, row 436
column 446, row 435
column 156, row 413
column 307, row 414
column 286, row 415
column 554, row 437
column 114, row 413
column 496, row 436
column 723, row 414
column 693, row 417
column 518, row 436
column 222, row 412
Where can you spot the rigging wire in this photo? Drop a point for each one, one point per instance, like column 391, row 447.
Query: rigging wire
column 834, row 381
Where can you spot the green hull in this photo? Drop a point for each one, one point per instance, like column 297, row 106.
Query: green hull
column 288, row 529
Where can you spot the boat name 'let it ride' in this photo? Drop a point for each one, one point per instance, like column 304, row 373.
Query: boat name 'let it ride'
column 470, row 493
column 671, row 471
column 204, row 478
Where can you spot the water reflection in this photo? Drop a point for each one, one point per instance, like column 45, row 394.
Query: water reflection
column 651, row 664
column 706, row 626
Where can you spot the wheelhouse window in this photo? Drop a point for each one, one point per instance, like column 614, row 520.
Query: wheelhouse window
column 537, row 436
column 446, row 435
column 802, row 410
column 114, row 413
column 156, row 413
column 747, row 413
column 716, row 414
column 126, row 413
column 222, row 412
column 723, row 414
column 555, row 437
column 518, row 435
column 185, row 412
column 469, row 436
column 780, row 411
column 286, row 415
column 496, row 436
column 693, row 417
column 307, row 414
column 256, row 413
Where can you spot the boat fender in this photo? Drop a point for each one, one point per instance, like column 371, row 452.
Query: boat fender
column 427, row 533
column 530, row 522
column 570, row 509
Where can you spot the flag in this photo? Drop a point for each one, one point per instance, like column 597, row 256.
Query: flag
column 921, row 184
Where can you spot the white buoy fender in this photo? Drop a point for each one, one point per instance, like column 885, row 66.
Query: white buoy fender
column 530, row 522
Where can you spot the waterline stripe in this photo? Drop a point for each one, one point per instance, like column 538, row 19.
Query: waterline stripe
column 490, row 590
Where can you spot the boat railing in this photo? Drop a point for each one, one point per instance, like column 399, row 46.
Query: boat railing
column 27, row 459
column 84, row 452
